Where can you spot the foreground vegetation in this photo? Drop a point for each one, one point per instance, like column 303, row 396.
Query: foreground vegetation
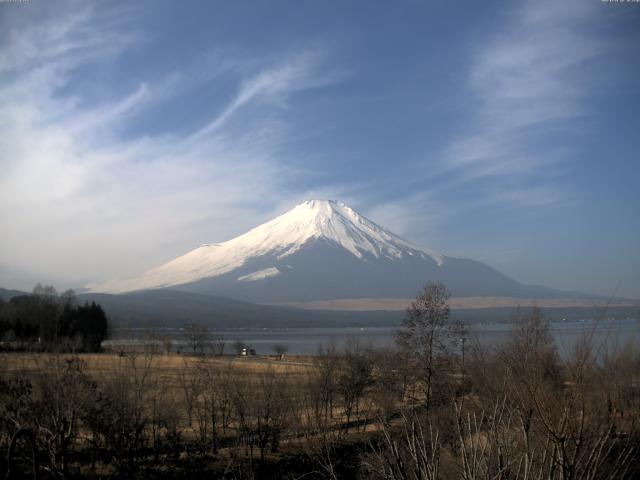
column 435, row 407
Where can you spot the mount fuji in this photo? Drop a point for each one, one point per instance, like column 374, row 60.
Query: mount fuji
column 321, row 250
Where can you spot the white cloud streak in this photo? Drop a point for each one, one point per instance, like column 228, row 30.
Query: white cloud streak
column 529, row 82
column 272, row 85
column 525, row 84
column 78, row 197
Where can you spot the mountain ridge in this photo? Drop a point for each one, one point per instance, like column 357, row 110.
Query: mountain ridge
column 168, row 308
column 321, row 250
column 281, row 237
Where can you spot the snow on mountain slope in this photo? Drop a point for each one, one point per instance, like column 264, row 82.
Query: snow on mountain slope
column 283, row 236
column 259, row 275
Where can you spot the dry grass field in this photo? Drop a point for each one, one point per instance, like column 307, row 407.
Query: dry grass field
column 517, row 412
column 163, row 365
column 401, row 304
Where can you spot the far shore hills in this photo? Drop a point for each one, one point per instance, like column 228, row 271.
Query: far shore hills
column 172, row 308
column 461, row 303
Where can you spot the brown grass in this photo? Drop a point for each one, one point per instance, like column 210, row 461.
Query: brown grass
column 400, row 304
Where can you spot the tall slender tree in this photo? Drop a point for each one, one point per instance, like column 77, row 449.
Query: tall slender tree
column 425, row 334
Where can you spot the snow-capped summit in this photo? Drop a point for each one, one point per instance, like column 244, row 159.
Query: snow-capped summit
column 283, row 236
column 320, row 249
column 330, row 220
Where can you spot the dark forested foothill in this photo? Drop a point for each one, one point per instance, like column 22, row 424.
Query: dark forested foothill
column 46, row 320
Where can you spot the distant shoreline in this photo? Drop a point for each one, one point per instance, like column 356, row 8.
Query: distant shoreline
column 458, row 303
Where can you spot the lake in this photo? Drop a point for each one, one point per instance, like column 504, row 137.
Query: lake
column 608, row 333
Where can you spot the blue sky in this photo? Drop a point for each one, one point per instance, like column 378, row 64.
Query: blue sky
column 506, row 132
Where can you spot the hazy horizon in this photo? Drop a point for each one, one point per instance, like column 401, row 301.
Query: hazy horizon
column 501, row 132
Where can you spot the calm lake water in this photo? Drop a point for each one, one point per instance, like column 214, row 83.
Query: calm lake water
column 606, row 333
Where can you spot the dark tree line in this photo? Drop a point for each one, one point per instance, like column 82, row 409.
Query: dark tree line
column 46, row 320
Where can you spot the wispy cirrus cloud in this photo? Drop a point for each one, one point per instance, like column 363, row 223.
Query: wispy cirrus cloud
column 80, row 197
column 526, row 92
column 529, row 84
column 273, row 85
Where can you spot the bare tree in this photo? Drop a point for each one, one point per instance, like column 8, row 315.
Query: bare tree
column 63, row 393
column 196, row 336
column 392, row 381
column 122, row 411
column 190, row 386
column 210, row 406
column 412, row 452
column 354, row 378
column 530, row 350
column 271, row 407
column 321, row 387
column 425, row 335
column 280, row 350
column 215, row 344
